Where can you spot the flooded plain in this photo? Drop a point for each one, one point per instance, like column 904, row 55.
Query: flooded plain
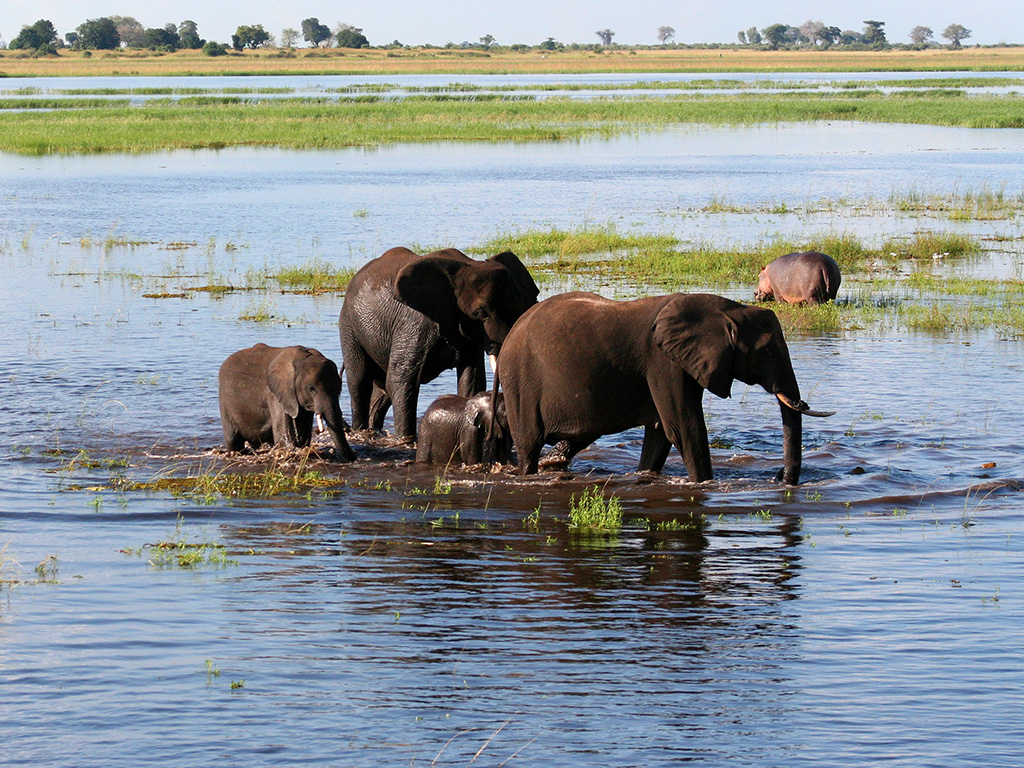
column 870, row 615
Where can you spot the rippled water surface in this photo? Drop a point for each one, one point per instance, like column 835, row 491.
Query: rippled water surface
column 869, row 616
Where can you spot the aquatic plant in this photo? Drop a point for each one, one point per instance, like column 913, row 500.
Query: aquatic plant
column 207, row 486
column 591, row 511
column 178, row 551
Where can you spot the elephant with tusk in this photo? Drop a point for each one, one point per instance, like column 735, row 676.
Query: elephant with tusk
column 577, row 366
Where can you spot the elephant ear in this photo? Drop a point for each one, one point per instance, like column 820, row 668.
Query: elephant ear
column 281, row 375
column 521, row 277
column 698, row 335
column 427, row 285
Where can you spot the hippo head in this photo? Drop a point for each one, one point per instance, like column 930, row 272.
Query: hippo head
column 764, row 291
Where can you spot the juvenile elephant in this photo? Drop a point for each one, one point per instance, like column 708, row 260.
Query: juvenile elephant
column 406, row 318
column 578, row 366
column 799, row 278
column 454, row 430
column 271, row 394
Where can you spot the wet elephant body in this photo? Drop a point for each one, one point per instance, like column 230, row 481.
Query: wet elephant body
column 406, row 318
column 270, row 395
column 454, row 430
column 578, row 366
column 799, row 278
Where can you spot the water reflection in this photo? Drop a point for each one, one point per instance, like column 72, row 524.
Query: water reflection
column 731, row 622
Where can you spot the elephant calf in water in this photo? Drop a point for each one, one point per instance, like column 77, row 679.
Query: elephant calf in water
column 271, row 394
column 454, row 430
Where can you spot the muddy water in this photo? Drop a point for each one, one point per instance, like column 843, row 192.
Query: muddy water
column 870, row 615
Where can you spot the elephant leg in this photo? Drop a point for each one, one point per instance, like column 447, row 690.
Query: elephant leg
column 655, row 449
column 472, row 378
column 233, row 440
column 404, row 392
column 303, row 425
column 360, row 388
column 284, row 430
column 690, row 434
column 379, row 405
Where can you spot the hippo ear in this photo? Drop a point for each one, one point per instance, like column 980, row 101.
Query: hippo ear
column 696, row 333
column 281, row 375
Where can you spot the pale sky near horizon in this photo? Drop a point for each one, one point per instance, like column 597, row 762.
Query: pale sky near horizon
column 415, row 22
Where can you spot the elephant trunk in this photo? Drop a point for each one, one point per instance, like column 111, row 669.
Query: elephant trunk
column 492, row 432
column 335, row 423
column 792, row 440
column 793, row 410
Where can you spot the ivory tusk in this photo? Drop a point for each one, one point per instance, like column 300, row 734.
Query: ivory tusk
column 494, row 363
column 320, row 424
column 802, row 407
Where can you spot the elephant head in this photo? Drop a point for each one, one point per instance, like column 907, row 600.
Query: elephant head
column 717, row 340
column 472, row 300
column 302, row 379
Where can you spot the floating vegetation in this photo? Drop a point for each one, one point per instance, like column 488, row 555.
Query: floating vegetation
column 315, row 276
column 178, row 551
column 663, row 260
column 10, row 571
column 206, row 487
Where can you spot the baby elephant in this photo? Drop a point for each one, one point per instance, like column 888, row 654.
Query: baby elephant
column 271, row 394
column 799, row 278
column 454, row 431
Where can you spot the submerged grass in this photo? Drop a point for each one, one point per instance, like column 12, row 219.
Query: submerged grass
column 258, row 483
column 317, row 124
column 179, row 551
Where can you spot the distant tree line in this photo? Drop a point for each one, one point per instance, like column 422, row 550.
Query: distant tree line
column 114, row 32
column 816, row 34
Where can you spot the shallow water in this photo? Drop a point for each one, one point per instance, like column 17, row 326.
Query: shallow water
column 870, row 615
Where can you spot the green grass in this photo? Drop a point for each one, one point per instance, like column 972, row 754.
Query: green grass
column 179, row 551
column 592, row 512
column 318, row 124
column 209, row 486
column 660, row 260
column 315, row 276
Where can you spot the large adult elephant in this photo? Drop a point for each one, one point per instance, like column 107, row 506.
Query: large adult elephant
column 578, row 366
column 406, row 318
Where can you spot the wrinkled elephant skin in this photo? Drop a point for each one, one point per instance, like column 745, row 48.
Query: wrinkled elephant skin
column 578, row 366
column 454, row 430
column 270, row 395
column 406, row 318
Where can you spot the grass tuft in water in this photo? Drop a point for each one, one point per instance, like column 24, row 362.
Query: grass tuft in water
column 207, row 487
column 178, row 551
column 592, row 512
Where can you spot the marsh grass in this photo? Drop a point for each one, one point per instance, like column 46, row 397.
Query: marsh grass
column 315, row 276
column 178, row 550
column 11, row 573
column 721, row 59
column 369, row 121
column 662, row 260
column 592, row 512
column 207, row 486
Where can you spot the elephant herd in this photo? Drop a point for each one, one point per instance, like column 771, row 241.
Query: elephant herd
column 572, row 368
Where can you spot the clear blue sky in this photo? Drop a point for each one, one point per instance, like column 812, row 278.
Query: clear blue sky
column 416, row 22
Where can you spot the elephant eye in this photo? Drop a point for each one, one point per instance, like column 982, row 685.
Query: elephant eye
column 480, row 314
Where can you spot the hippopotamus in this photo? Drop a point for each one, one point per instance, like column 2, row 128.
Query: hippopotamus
column 799, row 278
